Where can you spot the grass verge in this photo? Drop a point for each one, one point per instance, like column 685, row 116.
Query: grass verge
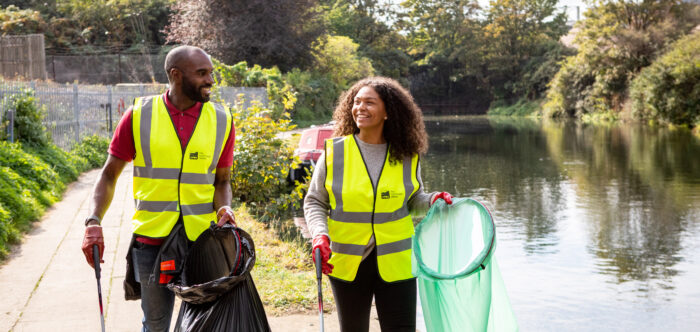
column 284, row 272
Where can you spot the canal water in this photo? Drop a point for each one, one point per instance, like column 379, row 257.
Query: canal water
column 598, row 226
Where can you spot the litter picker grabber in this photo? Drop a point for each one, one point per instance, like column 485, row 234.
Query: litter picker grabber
column 318, row 279
column 96, row 260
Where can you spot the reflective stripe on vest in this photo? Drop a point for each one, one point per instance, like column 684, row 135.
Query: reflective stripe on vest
column 169, row 181
column 358, row 210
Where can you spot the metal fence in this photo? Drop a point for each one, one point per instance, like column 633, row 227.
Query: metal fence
column 74, row 111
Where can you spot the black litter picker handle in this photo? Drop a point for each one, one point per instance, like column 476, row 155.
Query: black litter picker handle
column 96, row 261
column 318, row 279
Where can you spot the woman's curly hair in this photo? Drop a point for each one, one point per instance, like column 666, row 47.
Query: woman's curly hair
column 404, row 129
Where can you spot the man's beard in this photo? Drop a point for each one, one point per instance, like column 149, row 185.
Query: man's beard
column 193, row 92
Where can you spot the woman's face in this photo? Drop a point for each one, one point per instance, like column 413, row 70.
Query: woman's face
column 368, row 109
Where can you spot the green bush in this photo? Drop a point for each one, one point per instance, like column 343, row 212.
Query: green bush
column 669, row 89
column 316, row 96
column 8, row 233
column 62, row 162
column 262, row 163
column 18, row 199
column 28, row 126
column 32, row 168
column 280, row 96
column 91, row 150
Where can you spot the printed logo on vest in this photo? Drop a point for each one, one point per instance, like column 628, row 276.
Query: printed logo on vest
column 198, row 155
column 389, row 194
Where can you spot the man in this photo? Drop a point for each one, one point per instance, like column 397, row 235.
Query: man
column 182, row 149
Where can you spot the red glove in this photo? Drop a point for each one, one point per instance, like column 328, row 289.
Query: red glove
column 444, row 195
column 93, row 235
column 225, row 215
column 322, row 242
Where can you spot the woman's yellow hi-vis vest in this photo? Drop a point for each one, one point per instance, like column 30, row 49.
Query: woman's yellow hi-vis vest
column 169, row 181
column 358, row 210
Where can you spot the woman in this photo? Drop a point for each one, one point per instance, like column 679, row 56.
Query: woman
column 364, row 189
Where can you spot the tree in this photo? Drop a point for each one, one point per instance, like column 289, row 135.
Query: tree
column 519, row 37
column 444, row 41
column 616, row 40
column 367, row 23
column 265, row 32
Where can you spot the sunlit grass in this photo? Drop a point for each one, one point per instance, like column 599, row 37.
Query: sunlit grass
column 284, row 273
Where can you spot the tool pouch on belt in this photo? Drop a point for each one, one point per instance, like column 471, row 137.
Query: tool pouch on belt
column 170, row 256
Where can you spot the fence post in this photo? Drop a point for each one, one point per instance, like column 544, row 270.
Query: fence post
column 108, row 107
column 76, row 110
column 32, row 85
column 12, row 124
column 141, row 90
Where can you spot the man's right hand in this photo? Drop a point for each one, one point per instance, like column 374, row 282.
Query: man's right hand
column 93, row 236
column 322, row 242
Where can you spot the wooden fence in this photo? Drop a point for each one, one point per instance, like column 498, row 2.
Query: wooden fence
column 22, row 56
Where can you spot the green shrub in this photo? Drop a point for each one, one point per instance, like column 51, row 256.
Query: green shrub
column 669, row 89
column 8, row 233
column 262, row 163
column 18, row 199
column 316, row 96
column 28, row 126
column 281, row 97
column 92, row 150
column 64, row 163
column 31, row 168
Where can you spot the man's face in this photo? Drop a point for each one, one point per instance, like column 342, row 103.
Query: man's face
column 197, row 77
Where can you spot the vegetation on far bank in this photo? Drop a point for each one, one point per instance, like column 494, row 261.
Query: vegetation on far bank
column 502, row 56
column 33, row 171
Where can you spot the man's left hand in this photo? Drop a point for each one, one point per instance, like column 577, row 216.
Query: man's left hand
column 225, row 215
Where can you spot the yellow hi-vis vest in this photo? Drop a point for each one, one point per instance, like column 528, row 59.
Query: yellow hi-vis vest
column 358, row 210
column 170, row 180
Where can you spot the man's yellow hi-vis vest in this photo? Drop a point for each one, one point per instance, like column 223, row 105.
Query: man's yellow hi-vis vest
column 358, row 210
column 170, row 180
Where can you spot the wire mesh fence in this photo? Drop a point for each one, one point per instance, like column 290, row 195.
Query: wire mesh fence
column 73, row 111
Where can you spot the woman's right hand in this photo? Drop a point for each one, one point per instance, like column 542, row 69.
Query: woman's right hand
column 323, row 243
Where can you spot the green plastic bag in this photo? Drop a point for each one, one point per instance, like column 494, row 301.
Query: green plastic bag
column 459, row 282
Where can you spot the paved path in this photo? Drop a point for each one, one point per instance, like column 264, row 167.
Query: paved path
column 46, row 284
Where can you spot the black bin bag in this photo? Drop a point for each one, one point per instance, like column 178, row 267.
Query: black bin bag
column 216, row 287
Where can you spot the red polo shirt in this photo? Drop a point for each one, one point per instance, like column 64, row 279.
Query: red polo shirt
column 122, row 145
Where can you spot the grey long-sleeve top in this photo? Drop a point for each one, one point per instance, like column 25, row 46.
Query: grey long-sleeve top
column 317, row 204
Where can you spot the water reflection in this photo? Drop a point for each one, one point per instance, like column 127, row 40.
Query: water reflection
column 634, row 190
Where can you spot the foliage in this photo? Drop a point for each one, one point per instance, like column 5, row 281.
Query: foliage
column 522, row 107
column 338, row 65
column 669, row 89
column 316, row 95
column 67, row 165
column 31, row 167
column 517, row 36
column 266, row 32
column 78, row 26
column 616, row 40
column 367, row 23
column 338, row 58
column 262, row 163
column 280, row 95
column 28, row 127
column 8, row 234
column 17, row 21
column 92, row 149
